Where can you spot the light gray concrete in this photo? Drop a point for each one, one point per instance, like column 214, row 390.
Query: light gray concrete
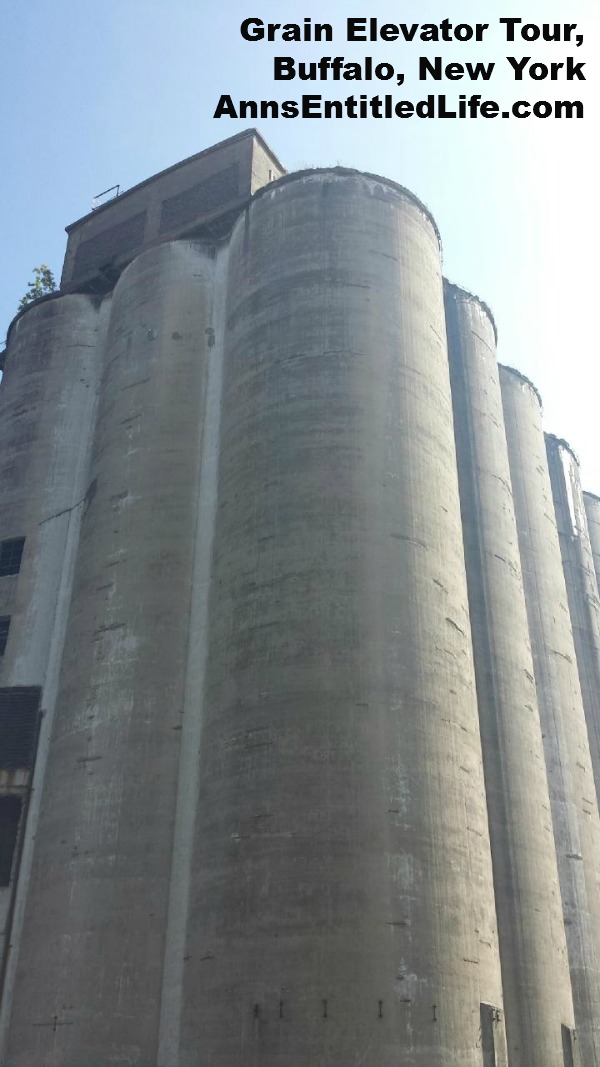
column 535, row 971
column 46, row 413
column 580, row 577
column 94, row 929
column 566, row 745
column 343, row 909
column 258, row 835
column 47, row 403
column 189, row 769
column 199, row 195
column 592, row 511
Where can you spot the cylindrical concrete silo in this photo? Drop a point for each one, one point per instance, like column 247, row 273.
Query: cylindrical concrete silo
column 580, row 577
column 93, row 943
column 46, row 415
column 566, row 745
column 47, row 401
column 592, row 511
column 535, row 971
column 343, row 907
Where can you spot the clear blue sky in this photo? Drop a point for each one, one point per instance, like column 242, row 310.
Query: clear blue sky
column 98, row 93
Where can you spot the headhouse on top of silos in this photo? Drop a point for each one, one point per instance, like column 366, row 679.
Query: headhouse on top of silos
column 199, row 197
column 299, row 649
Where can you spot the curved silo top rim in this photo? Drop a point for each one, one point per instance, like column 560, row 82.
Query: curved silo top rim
column 522, row 378
column 592, row 496
column 348, row 172
column 459, row 290
column 559, row 442
column 45, row 299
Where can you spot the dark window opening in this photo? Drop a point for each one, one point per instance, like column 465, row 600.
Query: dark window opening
column 19, row 714
column 11, row 553
column 493, row 1038
column 10, row 817
column 486, row 1013
column 567, row 1043
column 4, row 628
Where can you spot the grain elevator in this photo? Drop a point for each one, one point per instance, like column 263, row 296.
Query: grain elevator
column 299, row 649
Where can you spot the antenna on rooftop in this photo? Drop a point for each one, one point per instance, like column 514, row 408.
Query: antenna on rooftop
column 98, row 201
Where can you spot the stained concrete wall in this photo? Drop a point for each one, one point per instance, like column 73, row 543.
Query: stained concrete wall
column 200, row 194
column 259, row 829
column 567, row 753
column 535, row 971
column 580, row 577
column 47, row 403
column 342, row 904
column 93, row 939
column 592, row 511
column 46, row 407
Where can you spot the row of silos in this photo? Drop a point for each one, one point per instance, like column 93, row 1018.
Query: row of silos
column 541, row 799
column 316, row 785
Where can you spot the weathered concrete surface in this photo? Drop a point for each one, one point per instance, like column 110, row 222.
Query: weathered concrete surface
column 592, row 511
column 93, row 938
column 342, row 910
column 47, row 400
column 566, row 745
column 259, row 832
column 580, row 577
column 46, row 408
column 198, row 196
column 535, row 972
column 175, row 962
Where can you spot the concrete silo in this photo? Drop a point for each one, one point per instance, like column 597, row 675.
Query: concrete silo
column 580, row 577
column 566, row 744
column 537, row 988
column 100, row 882
column 259, row 828
column 47, row 405
column 342, row 904
column 592, row 511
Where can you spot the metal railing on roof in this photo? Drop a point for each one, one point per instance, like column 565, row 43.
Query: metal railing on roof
column 98, row 201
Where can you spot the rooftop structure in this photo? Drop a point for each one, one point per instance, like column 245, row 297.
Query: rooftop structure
column 299, row 649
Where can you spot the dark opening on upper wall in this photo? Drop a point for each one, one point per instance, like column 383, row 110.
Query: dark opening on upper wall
column 199, row 197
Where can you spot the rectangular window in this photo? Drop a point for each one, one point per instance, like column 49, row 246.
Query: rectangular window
column 4, row 628
column 486, row 1014
column 10, row 816
column 11, row 553
column 19, row 714
column 493, row 1036
column 567, row 1043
